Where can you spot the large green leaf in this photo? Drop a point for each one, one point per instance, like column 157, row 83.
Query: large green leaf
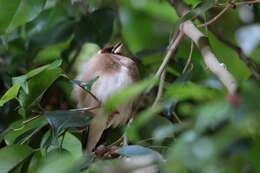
column 58, row 161
column 62, row 119
column 37, row 87
column 128, row 93
column 52, row 26
column 189, row 90
column 12, row 155
column 72, row 144
column 18, row 12
column 210, row 115
column 142, row 118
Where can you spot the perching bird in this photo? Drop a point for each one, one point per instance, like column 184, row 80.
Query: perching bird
column 114, row 72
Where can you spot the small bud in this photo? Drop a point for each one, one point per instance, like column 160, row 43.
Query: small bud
column 234, row 99
column 101, row 149
column 113, row 148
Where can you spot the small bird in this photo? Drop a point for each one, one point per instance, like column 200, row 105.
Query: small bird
column 114, row 73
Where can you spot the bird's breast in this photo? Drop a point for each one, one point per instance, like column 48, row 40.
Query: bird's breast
column 112, row 82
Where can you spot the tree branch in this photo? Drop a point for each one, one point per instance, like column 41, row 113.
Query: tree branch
column 202, row 42
column 172, row 47
column 160, row 89
column 229, row 5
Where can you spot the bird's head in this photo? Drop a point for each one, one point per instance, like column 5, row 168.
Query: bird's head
column 112, row 49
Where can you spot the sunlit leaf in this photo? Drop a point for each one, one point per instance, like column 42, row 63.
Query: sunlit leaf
column 10, row 94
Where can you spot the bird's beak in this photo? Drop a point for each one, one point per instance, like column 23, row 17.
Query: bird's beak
column 118, row 48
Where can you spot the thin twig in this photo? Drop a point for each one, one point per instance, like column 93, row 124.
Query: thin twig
column 33, row 133
column 228, row 6
column 246, row 2
column 160, row 89
column 189, row 59
column 176, row 117
column 172, row 47
column 33, row 118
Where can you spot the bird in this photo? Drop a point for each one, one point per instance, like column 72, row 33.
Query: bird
column 113, row 72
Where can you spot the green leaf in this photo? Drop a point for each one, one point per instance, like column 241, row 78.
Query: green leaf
column 21, row 79
column 12, row 155
column 211, row 114
column 200, row 9
column 86, row 85
column 189, row 90
column 96, row 27
column 62, row 119
column 37, row 87
column 142, row 119
column 52, row 26
column 18, row 12
column 127, row 94
column 58, row 160
column 10, row 94
column 72, row 144
column 20, row 131
column 137, row 150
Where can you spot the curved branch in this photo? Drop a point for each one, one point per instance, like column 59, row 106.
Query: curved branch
column 172, row 47
column 191, row 31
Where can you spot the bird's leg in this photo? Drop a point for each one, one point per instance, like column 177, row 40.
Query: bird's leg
column 125, row 139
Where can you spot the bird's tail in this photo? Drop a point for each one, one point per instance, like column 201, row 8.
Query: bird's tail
column 96, row 128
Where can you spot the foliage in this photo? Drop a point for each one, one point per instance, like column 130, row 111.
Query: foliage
column 197, row 126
